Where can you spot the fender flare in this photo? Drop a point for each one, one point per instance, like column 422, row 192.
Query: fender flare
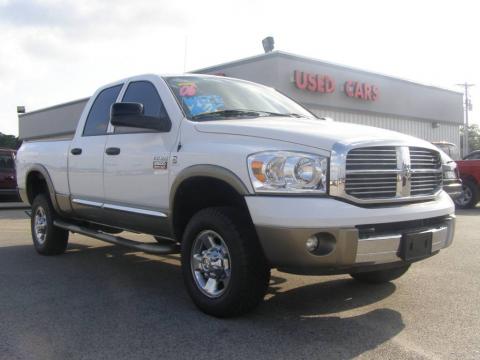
column 209, row 171
column 51, row 189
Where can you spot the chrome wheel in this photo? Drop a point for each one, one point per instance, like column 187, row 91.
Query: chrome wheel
column 466, row 196
column 210, row 263
column 40, row 225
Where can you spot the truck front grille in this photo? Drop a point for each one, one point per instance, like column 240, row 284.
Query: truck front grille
column 392, row 172
column 378, row 158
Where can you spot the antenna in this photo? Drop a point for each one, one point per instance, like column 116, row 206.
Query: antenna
column 185, row 54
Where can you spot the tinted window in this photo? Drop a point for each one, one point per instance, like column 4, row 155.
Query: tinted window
column 6, row 162
column 473, row 157
column 145, row 93
column 99, row 116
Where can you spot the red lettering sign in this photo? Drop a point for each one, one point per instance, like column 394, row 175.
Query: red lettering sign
column 362, row 91
column 326, row 85
column 314, row 82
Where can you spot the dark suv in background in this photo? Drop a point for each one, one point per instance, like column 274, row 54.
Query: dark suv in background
column 8, row 177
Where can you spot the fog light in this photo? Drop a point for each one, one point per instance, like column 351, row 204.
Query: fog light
column 312, row 244
column 321, row 244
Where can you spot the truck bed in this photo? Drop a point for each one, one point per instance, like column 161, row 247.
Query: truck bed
column 52, row 155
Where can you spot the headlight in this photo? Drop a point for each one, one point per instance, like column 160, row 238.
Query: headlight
column 449, row 175
column 450, row 171
column 288, row 172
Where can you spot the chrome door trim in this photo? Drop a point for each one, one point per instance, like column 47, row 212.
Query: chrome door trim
column 134, row 210
column 87, row 202
column 120, row 208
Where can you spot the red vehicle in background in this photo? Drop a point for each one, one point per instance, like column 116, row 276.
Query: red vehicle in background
column 469, row 169
column 469, row 172
column 8, row 177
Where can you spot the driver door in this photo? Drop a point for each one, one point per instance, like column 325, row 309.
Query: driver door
column 136, row 168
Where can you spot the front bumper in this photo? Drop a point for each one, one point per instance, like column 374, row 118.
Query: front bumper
column 284, row 224
column 453, row 188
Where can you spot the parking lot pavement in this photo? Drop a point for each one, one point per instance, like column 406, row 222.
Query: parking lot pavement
column 8, row 205
column 99, row 301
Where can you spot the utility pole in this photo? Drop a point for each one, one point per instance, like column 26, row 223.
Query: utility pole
column 467, row 107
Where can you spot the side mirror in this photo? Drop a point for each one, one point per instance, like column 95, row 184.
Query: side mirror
column 131, row 115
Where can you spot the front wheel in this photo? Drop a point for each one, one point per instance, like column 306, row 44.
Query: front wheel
column 469, row 197
column 223, row 265
column 380, row 276
column 47, row 238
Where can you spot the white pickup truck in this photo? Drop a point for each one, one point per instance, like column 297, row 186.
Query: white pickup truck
column 238, row 179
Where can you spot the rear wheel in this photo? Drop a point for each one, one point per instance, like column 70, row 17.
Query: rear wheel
column 223, row 265
column 469, row 197
column 47, row 238
column 380, row 276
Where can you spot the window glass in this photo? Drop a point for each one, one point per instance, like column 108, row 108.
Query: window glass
column 99, row 116
column 144, row 92
column 6, row 162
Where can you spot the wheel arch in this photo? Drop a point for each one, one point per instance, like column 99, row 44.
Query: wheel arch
column 201, row 186
column 38, row 181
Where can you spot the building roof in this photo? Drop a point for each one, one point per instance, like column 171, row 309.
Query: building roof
column 287, row 55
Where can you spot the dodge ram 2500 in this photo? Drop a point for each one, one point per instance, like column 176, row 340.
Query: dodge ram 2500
column 238, row 179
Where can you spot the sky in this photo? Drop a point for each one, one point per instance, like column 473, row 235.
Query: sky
column 56, row 51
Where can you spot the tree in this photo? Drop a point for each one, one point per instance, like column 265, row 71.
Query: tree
column 473, row 137
column 9, row 141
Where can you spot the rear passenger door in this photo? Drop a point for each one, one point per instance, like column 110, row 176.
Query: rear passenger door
column 85, row 158
column 136, row 167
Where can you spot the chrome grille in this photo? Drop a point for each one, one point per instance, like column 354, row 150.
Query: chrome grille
column 392, row 172
column 421, row 158
column 380, row 158
column 425, row 183
column 371, row 185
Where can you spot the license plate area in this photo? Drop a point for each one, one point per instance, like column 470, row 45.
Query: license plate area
column 415, row 246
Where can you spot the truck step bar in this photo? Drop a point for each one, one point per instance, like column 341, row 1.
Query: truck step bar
column 149, row 248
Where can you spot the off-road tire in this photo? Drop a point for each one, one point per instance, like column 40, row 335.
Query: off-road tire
column 250, row 273
column 55, row 240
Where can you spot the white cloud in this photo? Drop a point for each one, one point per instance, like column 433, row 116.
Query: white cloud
column 53, row 51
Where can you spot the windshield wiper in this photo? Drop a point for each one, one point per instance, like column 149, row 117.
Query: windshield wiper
column 268, row 113
column 220, row 113
column 242, row 112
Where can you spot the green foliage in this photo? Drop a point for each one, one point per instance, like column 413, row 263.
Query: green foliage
column 9, row 141
column 474, row 137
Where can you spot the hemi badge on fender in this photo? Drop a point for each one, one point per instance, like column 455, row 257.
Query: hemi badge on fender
column 160, row 163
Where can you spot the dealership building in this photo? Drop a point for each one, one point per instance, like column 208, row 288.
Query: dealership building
column 356, row 96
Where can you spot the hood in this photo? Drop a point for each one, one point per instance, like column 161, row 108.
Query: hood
column 316, row 133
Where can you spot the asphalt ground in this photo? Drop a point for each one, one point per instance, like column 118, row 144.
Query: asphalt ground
column 100, row 301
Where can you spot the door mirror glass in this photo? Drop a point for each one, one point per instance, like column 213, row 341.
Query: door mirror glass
column 131, row 115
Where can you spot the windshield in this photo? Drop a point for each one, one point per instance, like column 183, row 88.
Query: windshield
column 210, row 98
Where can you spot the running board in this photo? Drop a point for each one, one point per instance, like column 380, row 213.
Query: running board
column 149, row 248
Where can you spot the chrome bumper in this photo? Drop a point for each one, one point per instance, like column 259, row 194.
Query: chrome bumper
column 385, row 249
column 285, row 247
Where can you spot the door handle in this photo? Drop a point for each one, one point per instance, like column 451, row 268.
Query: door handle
column 76, row 151
column 112, row 151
